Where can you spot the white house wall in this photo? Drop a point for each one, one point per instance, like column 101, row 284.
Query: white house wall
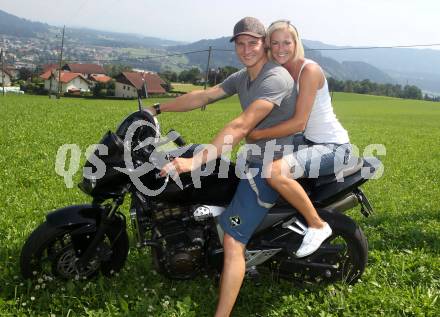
column 76, row 83
column 48, row 87
column 7, row 79
column 125, row 91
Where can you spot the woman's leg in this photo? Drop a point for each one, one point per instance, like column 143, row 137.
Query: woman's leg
column 281, row 180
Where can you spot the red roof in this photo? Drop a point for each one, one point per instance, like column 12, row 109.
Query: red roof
column 152, row 81
column 47, row 67
column 84, row 68
column 46, row 74
column 68, row 77
column 100, row 78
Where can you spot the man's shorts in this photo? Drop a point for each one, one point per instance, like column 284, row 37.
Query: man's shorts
column 245, row 212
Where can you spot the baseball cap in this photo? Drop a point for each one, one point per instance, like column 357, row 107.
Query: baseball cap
column 249, row 26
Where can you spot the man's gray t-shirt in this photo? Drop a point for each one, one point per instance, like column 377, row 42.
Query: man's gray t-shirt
column 273, row 84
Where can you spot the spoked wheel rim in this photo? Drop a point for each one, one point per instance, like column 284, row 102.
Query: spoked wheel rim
column 61, row 259
column 52, row 251
column 66, row 265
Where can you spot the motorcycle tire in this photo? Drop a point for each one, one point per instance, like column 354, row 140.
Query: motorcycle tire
column 50, row 251
column 341, row 258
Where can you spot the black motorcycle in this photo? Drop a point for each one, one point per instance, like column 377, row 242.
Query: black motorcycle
column 180, row 226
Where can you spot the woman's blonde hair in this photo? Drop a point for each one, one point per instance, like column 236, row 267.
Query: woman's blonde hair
column 285, row 25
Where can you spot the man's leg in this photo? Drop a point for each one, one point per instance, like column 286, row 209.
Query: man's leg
column 234, row 266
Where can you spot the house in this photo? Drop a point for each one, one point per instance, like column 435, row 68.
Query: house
column 92, row 72
column 47, row 67
column 128, row 83
column 6, row 76
column 70, row 82
column 100, row 78
column 13, row 71
column 85, row 69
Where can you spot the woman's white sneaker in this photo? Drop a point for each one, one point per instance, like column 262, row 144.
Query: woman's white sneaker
column 313, row 239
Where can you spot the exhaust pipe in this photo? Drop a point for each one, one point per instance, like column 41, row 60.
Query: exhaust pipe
column 345, row 204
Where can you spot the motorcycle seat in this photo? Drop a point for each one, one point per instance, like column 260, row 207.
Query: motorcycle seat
column 354, row 165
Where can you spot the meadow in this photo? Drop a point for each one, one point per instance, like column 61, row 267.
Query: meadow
column 403, row 274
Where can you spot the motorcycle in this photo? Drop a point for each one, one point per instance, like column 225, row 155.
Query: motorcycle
column 180, row 225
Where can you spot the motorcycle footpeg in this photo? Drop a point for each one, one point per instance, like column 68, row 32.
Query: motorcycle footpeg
column 366, row 208
column 300, row 228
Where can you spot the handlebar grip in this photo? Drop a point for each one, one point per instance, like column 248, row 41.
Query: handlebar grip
column 178, row 140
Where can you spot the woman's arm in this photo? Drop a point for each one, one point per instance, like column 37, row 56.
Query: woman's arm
column 311, row 80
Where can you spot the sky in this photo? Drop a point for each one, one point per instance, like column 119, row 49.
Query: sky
column 337, row 22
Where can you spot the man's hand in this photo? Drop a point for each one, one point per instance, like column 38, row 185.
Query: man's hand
column 151, row 110
column 178, row 165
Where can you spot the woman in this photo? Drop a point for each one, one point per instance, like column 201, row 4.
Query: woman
column 328, row 141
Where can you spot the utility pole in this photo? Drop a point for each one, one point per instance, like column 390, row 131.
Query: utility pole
column 207, row 72
column 3, row 71
column 61, row 59
column 145, row 84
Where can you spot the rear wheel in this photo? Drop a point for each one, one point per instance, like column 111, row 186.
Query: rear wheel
column 55, row 251
column 342, row 257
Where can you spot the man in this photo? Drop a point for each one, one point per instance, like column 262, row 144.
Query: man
column 267, row 97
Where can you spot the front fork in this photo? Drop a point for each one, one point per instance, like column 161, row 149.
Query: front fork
column 140, row 221
column 104, row 225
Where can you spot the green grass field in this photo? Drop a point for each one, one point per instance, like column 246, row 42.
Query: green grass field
column 403, row 274
column 185, row 87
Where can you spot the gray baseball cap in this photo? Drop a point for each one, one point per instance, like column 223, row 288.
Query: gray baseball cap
column 249, row 26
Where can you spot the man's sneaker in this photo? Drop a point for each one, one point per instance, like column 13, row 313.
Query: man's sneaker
column 313, row 239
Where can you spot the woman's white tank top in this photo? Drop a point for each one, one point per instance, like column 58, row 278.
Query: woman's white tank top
column 322, row 125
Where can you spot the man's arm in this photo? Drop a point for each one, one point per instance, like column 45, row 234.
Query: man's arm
column 237, row 129
column 311, row 80
column 192, row 100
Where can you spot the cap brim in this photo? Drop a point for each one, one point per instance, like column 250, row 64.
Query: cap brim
column 245, row 33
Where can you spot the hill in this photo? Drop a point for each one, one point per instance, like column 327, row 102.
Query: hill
column 15, row 26
column 420, row 67
column 223, row 54
column 38, row 43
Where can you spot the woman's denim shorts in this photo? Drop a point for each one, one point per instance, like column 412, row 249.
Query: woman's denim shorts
column 313, row 160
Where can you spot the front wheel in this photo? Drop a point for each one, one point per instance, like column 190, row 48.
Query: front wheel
column 55, row 251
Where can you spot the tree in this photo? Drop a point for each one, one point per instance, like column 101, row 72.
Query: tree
column 113, row 70
column 169, row 76
column 190, row 76
column 411, row 92
column 24, row 73
column 217, row 75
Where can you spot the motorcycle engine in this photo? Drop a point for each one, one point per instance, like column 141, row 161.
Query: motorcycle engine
column 182, row 243
column 183, row 233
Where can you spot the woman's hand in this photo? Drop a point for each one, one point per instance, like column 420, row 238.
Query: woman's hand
column 254, row 136
column 178, row 165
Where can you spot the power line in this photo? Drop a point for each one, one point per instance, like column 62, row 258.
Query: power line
column 144, row 58
column 129, row 59
column 352, row 48
column 370, row 47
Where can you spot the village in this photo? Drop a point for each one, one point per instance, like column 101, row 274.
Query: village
column 82, row 79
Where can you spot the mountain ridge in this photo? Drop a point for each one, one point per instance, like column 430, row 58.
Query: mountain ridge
column 403, row 66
